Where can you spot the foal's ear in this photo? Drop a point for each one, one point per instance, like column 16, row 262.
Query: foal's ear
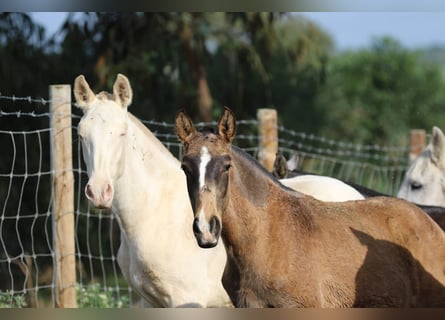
column 82, row 93
column 437, row 145
column 122, row 91
column 184, row 127
column 227, row 125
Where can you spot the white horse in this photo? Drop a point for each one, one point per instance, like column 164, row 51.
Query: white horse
column 323, row 188
column 320, row 187
column 424, row 181
column 132, row 172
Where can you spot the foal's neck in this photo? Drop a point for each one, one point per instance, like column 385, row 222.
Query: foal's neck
column 251, row 179
column 254, row 211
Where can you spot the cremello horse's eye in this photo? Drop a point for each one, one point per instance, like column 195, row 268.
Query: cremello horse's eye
column 122, row 134
column 415, row 185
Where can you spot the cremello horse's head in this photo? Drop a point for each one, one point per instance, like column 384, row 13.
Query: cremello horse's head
column 424, row 181
column 103, row 133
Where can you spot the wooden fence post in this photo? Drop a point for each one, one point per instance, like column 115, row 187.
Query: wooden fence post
column 63, row 203
column 268, row 137
column 417, row 140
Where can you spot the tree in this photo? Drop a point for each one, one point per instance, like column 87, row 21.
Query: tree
column 270, row 60
column 374, row 96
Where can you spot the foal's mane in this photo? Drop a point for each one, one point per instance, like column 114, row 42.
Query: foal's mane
column 254, row 163
column 251, row 160
column 246, row 156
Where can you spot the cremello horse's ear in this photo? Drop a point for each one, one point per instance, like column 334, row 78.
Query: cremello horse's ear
column 437, row 145
column 122, row 91
column 227, row 125
column 82, row 93
column 184, row 127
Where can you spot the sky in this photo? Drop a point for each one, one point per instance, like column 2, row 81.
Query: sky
column 349, row 30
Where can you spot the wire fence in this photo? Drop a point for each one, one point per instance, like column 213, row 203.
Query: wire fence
column 27, row 253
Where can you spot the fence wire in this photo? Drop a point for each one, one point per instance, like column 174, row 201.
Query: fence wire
column 26, row 196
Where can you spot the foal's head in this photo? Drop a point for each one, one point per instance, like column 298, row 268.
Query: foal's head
column 102, row 131
column 207, row 165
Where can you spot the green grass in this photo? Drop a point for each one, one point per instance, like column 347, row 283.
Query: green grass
column 90, row 296
column 95, row 296
column 10, row 300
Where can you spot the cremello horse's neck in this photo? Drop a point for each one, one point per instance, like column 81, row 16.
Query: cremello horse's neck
column 152, row 185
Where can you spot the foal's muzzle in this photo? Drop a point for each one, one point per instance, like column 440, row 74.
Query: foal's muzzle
column 207, row 234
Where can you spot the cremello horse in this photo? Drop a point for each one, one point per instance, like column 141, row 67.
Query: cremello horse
column 132, row 172
column 287, row 249
column 323, row 188
column 424, row 181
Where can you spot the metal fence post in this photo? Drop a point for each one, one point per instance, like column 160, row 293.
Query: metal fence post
column 63, row 203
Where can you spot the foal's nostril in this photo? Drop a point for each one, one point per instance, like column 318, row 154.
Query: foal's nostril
column 196, row 229
column 214, row 225
column 89, row 192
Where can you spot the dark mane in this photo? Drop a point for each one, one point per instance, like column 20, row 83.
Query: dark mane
column 208, row 130
column 256, row 164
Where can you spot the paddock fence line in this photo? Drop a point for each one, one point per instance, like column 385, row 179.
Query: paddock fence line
column 58, row 251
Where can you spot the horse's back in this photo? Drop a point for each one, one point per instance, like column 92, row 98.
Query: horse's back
column 391, row 245
column 389, row 218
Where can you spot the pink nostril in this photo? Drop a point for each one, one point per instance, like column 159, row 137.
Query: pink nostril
column 89, row 192
column 108, row 192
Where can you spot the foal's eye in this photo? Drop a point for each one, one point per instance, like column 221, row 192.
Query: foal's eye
column 415, row 185
column 122, row 134
column 227, row 167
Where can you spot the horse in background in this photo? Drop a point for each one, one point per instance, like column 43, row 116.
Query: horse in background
column 320, row 187
column 424, row 181
column 340, row 192
column 134, row 174
column 323, row 188
column 281, row 170
column 287, row 249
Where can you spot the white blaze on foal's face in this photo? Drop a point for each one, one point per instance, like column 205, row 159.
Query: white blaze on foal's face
column 204, row 160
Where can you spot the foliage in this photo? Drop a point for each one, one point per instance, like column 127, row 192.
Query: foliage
column 375, row 96
column 10, row 300
column 94, row 296
column 91, row 296
column 278, row 61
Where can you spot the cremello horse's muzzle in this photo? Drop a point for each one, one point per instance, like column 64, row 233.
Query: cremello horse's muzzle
column 100, row 194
